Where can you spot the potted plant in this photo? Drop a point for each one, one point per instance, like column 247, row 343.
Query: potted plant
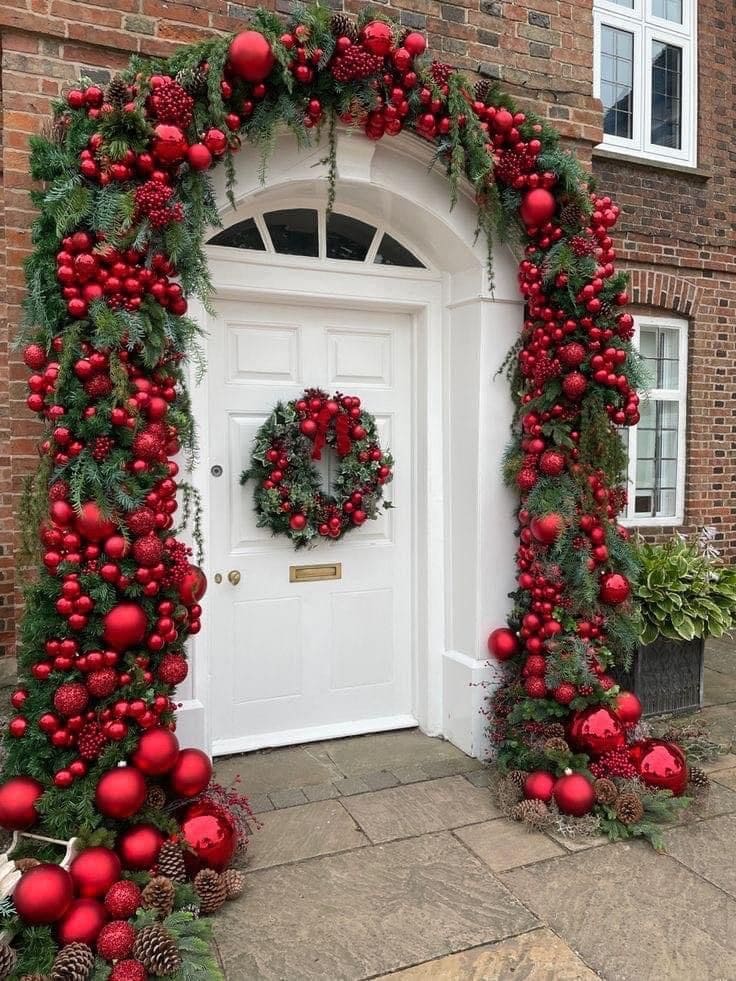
column 686, row 593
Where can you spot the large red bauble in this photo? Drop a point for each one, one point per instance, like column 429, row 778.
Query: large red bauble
column 628, row 708
column 547, row 529
column 198, row 158
column 377, row 37
column 93, row 871
column 574, row 794
column 537, row 207
column 415, row 43
column 169, row 144
column 120, row 793
column 193, row 586
column 250, row 56
column 660, row 764
column 18, row 799
column 539, row 786
column 92, row 524
column 157, row 752
column 210, row 832
column 124, row 626
column 502, row 643
column 82, row 923
column 614, row 588
column 191, row 773
column 139, row 846
column 596, row 730
column 43, row 894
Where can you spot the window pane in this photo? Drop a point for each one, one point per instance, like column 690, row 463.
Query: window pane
column 624, row 3
column 657, row 460
column 392, row 253
column 666, row 95
column 244, row 235
column 293, row 232
column 348, row 238
column 660, row 349
column 667, row 10
column 617, row 81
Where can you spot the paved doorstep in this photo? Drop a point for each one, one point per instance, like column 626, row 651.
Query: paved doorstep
column 708, row 849
column 504, row 845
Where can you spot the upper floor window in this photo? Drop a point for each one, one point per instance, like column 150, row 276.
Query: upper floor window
column 646, row 77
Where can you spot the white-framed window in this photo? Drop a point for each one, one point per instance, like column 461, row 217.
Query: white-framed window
column 656, row 446
column 645, row 74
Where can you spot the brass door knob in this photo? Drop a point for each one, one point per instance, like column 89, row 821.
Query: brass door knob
column 233, row 577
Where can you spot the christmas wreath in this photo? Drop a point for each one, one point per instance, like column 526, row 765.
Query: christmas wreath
column 289, row 497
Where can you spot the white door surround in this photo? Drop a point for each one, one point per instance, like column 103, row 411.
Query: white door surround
column 463, row 543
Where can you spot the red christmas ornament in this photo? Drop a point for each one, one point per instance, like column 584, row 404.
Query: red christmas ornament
column 169, row 145
column 71, row 698
column 128, row 970
column 116, row 940
column 191, row 773
column 628, row 708
column 503, row 644
column 660, row 764
column 552, row 463
column 18, row 799
column 124, row 626
column 173, row 669
column 539, row 786
column 92, row 524
column 157, row 752
column 596, row 730
column 377, row 38
column 82, row 923
column 43, row 894
column 547, row 529
column 415, row 43
column 193, row 586
column 93, row 871
column 614, row 588
column 574, row 794
column 120, row 792
column 537, row 207
column 123, row 899
column 199, row 157
column 564, row 693
column 210, row 832
column 139, row 846
column 102, row 683
column 250, row 56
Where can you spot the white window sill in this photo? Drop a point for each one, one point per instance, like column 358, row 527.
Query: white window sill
column 609, row 153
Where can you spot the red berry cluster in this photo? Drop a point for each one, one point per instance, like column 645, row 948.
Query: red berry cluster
column 170, row 103
column 353, row 62
column 152, row 202
column 614, row 764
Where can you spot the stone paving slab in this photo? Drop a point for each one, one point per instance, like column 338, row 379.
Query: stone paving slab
column 718, row 800
column 725, row 762
column 725, row 777
column 535, row 956
column 272, row 770
column 721, row 723
column 384, row 751
column 297, row 833
column 372, row 911
column 718, row 688
column 633, row 914
column 708, row 849
column 417, row 809
column 506, row 844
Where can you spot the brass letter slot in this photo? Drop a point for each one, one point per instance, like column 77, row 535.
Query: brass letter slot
column 315, row 573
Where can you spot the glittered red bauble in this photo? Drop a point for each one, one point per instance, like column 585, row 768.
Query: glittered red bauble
column 120, row 792
column 502, row 643
column 377, row 38
column 92, row 524
column 539, row 786
column 628, row 708
column 123, row 899
column 547, row 529
column 128, row 970
column 139, row 846
column 193, row 586
column 169, row 144
column 614, row 588
column 82, row 922
column 116, row 940
column 596, row 730
column 250, row 56
column 18, row 799
column 660, row 764
column 173, row 669
column 157, row 752
column 71, row 698
column 209, row 830
column 43, row 894
column 537, row 207
column 124, row 626
column 191, row 773
column 574, row 794
column 93, row 871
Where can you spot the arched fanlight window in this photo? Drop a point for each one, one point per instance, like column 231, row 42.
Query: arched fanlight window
column 314, row 234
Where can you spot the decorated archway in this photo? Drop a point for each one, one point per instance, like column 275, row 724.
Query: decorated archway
column 118, row 251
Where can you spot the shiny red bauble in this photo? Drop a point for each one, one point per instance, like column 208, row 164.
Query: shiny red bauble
column 660, row 764
column 191, row 773
column 93, row 871
column 537, row 207
column 574, row 794
column 139, row 846
column 415, row 43
column 210, row 833
column 43, row 894
column 124, row 626
column 250, row 56
column 92, row 524
column 198, row 158
column 548, row 528
column 157, row 752
column 539, row 785
column 120, row 792
column 193, row 586
column 377, row 37
column 503, row 644
column 82, row 922
column 18, row 799
column 628, row 708
column 614, row 588
column 596, row 730
column 169, row 144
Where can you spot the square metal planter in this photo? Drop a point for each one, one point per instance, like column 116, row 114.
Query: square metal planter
column 667, row 676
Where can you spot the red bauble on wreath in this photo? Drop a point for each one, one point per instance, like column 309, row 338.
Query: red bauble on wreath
column 660, row 764
column 503, row 644
column 191, row 773
column 120, row 793
column 596, row 730
column 574, row 794
column 157, row 752
column 193, row 586
column 139, row 846
column 94, row 871
column 43, row 894
column 628, row 708
column 210, row 833
column 614, row 588
column 250, row 56
column 124, row 626
column 539, row 785
column 82, row 922
column 18, row 799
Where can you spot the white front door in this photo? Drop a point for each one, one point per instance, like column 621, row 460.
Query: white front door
column 295, row 661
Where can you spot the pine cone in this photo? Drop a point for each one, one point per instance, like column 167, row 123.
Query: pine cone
column 117, row 92
column 629, row 808
column 556, row 745
column 342, row 26
column 171, row 862
column 555, row 730
column 508, row 794
column 24, row 864
column 211, row 890
column 234, row 882
column 699, row 779
column 517, row 776
column 156, row 949
column 482, row 88
column 193, row 80
column 156, row 798
column 572, row 216
column 75, row 962
column 159, row 895
column 534, row 813
column 34, row 977
column 7, row 961
column 606, row 791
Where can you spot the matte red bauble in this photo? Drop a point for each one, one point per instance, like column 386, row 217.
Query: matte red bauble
column 614, row 588
column 18, row 799
column 120, row 792
column 250, row 56
column 43, row 894
column 139, row 846
column 537, row 207
column 82, row 923
column 169, row 145
column 191, row 773
column 574, row 794
column 193, row 586
column 539, row 786
column 547, row 529
column 415, row 43
column 377, row 38
column 628, row 708
column 124, row 626
column 596, row 730
column 92, row 524
column 209, row 831
column 199, row 157
column 660, row 764
column 94, row 870
column 502, row 643
column 157, row 752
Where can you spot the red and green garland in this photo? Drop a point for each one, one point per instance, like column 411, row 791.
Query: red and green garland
column 118, row 248
column 288, row 489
